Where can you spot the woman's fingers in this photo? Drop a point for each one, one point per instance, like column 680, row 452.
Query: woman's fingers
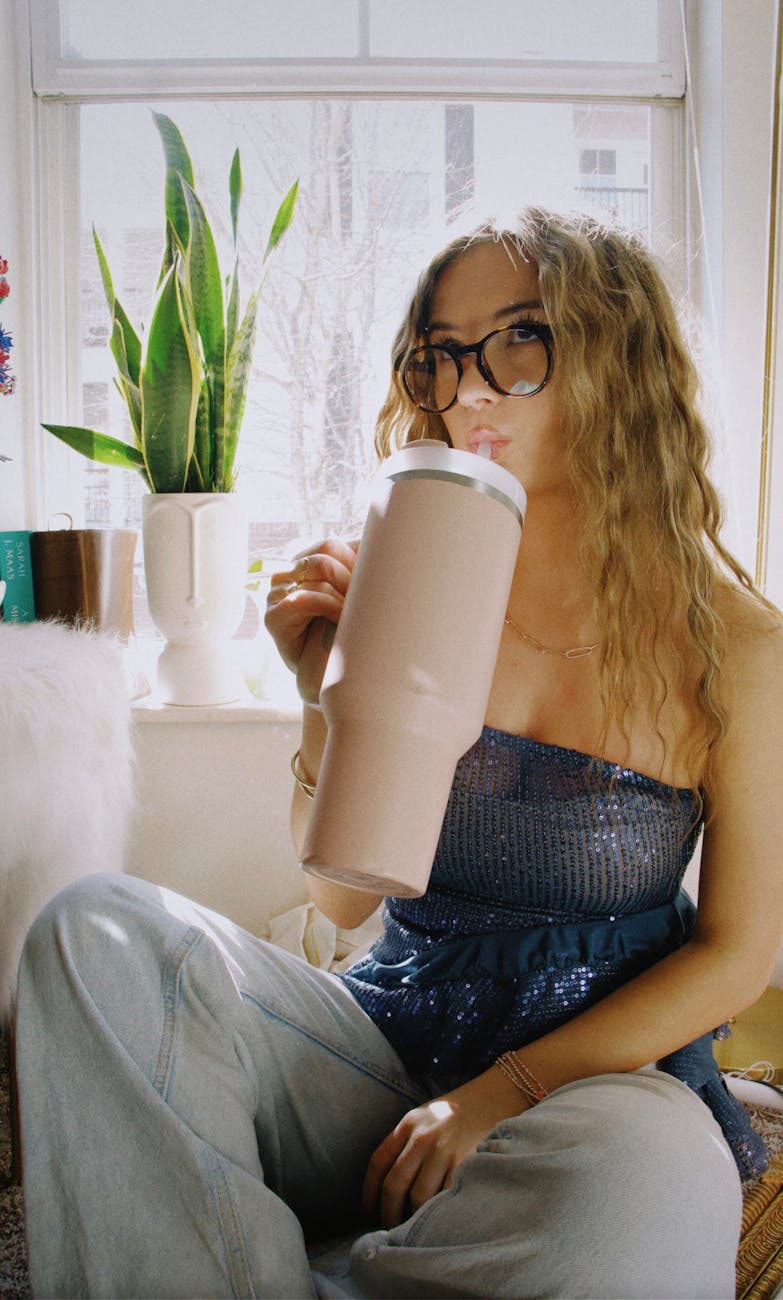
column 409, row 1167
column 381, row 1162
column 313, row 587
column 330, row 562
column 327, row 571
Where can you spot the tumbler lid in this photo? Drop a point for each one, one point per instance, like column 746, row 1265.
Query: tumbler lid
column 429, row 458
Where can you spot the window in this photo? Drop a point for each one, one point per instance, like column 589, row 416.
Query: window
column 405, row 125
column 598, row 162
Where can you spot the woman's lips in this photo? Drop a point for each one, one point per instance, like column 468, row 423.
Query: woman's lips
column 496, row 441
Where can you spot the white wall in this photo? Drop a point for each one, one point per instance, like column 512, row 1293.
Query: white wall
column 214, row 790
column 732, row 65
column 17, row 413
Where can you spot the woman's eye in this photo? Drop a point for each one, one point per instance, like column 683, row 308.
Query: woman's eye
column 521, row 335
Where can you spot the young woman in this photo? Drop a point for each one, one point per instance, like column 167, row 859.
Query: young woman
column 516, row 1087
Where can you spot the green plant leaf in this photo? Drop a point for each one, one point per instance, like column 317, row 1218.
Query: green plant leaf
column 232, row 309
column 235, row 191
column 169, row 389
column 282, row 220
column 256, row 567
column 98, row 446
column 205, row 291
column 124, row 341
column 132, row 398
column 177, row 164
column 131, row 343
column 108, row 286
column 205, row 285
column 201, row 467
column 237, row 375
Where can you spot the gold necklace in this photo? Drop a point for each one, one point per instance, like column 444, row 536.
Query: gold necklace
column 575, row 652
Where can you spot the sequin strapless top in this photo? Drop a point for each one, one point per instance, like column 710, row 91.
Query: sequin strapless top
column 556, row 879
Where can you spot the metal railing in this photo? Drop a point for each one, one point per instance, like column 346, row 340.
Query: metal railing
column 628, row 205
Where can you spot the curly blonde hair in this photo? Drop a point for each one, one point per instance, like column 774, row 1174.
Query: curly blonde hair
column 638, row 454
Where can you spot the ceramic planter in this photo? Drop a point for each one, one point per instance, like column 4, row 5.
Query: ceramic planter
column 195, row 562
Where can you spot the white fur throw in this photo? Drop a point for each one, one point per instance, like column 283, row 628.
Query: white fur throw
column 66, row 771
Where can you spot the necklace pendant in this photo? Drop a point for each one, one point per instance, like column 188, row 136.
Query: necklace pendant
column 578, row 652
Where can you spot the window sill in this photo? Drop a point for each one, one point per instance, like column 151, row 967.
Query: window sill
column 267, row 691
column 152, row 710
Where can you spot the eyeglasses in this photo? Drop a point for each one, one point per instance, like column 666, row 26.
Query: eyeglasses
column 516, row 361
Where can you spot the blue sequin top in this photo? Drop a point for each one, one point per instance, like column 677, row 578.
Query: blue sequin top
column 556, row 879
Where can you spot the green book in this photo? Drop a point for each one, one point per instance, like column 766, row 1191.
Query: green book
column 16, row 571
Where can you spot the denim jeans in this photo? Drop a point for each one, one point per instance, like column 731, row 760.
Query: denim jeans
column 197, row 1106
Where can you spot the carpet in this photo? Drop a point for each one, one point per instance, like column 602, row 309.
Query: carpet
column 759, row 1264
column 14, row 1283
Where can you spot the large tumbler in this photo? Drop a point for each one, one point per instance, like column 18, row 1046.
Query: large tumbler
column 409, row 673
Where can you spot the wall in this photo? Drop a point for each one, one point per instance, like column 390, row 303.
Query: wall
column 17, row 413
column 214, row 789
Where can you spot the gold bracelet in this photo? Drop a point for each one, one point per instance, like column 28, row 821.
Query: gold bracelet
column 305, row 786
column 521, row 1077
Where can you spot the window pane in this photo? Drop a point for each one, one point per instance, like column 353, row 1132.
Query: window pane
column 563, row 30
column 602, row 31
column 383, row 184
column 193, row 29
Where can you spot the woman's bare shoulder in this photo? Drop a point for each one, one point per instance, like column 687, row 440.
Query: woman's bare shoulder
column 746, row 617
column 753, row 665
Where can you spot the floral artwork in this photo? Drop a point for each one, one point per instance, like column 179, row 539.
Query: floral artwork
column 7, row 378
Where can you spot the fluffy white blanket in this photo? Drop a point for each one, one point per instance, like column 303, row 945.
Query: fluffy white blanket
column 66, row 771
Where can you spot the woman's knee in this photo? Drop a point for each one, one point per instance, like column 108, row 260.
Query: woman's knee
column 652, row 1177
column 646, row 1122
column 99, row 944
column 72, row 918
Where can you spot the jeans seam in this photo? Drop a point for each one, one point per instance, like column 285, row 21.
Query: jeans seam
column 171, row 978
column 229, row 1223
column 397, row 1082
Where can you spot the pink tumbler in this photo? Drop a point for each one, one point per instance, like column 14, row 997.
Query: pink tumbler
column 408, row 677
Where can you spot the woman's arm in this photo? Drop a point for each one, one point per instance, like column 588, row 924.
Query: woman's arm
column 723, row 969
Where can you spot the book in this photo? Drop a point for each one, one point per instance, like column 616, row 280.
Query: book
column 16, row 571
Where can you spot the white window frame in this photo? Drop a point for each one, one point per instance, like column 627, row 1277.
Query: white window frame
column 55, row 77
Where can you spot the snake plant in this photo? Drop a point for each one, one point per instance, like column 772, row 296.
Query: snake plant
column 185, row 391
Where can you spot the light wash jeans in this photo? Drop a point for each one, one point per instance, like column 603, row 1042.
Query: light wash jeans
column 196, row 1104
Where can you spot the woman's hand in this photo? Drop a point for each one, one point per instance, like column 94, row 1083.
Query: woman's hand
column 314, row 587
column 420, row 1156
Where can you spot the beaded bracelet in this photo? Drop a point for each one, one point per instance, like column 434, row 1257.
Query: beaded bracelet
column 305, row 786
column 521, row 1077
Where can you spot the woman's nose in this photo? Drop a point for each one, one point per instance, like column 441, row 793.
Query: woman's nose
column 473, row 389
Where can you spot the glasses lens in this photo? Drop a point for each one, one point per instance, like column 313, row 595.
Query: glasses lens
column 517, row 360
column 431, row 378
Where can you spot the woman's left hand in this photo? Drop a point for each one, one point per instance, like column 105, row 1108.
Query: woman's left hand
column 420, row 1156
